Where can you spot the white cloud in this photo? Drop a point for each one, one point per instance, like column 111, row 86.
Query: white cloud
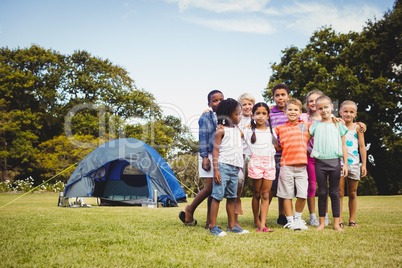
column 219, row 6
column 310, row 16
column 261, row 17
column 248, row 25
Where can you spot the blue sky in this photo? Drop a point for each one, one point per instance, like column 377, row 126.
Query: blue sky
column 179, row 50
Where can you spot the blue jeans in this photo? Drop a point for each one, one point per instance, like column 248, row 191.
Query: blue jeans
column 229, row 181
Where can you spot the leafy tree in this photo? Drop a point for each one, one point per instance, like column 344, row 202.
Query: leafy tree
column 47, row 99
column 363, row 67
column 59, row 153
column 185, row 167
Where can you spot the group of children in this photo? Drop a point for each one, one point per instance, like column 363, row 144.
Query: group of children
column 291, row 152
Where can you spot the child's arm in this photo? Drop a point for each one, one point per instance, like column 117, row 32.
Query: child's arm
column 241, row 132
column 203, row 137
column 345, row 157
column 362, row 126
column 215, row 154
column 363, row 151
column 277, row 146
column 336, row 120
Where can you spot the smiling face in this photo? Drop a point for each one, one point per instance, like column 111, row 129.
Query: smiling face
column 348, row 112
column 324, row 108
column 215, row 100
column 247, row 107
column 260, row 115
column 311, row 102
column 280, row 97
column 292, row 112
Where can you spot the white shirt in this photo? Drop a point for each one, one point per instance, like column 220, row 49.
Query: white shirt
column 263, row 145
column 245, row 121
column 231, row 149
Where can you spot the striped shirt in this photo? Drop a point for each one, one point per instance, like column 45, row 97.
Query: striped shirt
column 294, row 138
column 277, row 118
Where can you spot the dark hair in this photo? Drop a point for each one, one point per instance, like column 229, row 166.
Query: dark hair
column 225, row 109
column 280, row 86
column 253, row 125
column 212, row 93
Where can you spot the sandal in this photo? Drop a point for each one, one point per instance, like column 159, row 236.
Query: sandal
column 353, row 224
column 341, row 225
column 182, row 216
column 265, row 230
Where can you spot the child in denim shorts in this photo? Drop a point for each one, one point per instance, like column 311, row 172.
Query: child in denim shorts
column 227, row 158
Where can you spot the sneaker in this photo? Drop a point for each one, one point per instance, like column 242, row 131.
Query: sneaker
column 291, row 225
column 237, row 230
column 314, row 222
column 281, row 220
column 296, row 225
column 302, row 224
column 327, row 222
column 217, row 231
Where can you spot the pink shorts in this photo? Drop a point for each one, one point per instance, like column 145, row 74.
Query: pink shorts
column 261, row 167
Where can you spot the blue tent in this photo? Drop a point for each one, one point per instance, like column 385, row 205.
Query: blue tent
column 125, row 172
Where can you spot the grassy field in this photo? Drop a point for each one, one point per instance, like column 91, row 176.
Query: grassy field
column 35, row 232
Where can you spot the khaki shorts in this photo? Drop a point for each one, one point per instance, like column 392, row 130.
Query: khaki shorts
column 354, row 172
column 293, row 182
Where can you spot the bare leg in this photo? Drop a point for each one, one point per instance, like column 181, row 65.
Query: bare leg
column 287, row 206
column 230, row 209
column 209, row 211
column 300, row 204
column 265, row 189
column 322, row 223
column 336, row 225
column 272, row 193
column 255, row 203
column 214, row 211
column 352, row 194
column 311, row 204
column 280, row 206
column 341, row 195
column 238, row 208
column 201, row 196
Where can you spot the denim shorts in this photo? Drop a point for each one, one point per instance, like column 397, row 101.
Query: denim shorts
column 229, row 182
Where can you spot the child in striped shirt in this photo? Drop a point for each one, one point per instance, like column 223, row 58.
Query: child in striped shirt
column 293, row 174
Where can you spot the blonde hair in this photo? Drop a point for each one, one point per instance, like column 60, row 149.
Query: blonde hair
column 294, row 102
column 246, row 96
column 318, row 92
column 348, row 102
column 323, row 97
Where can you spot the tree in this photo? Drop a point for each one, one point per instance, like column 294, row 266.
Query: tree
column 363, row 67
column 47, row 99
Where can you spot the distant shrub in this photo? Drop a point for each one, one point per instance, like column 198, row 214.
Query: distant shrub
column 23, row 185
column 6, row 186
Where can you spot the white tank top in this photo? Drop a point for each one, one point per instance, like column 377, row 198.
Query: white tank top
column 353, row 147
column 231, row 149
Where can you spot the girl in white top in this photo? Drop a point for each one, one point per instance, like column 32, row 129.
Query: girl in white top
column 354, row 142
column 227, row 158
column 261, row 167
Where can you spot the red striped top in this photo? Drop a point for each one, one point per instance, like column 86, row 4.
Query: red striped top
column 294, row 138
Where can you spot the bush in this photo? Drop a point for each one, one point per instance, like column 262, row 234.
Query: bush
column 6, row 186
column 58, row 186
column 23, row 185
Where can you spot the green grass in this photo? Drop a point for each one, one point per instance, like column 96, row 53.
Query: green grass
column 35, row 232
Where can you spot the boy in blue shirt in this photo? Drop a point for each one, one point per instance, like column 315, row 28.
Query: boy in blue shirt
column 207, row 128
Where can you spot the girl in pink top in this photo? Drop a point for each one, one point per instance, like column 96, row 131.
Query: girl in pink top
column 312, row 116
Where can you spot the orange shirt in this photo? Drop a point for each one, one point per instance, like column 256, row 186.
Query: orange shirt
column 294, row 138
